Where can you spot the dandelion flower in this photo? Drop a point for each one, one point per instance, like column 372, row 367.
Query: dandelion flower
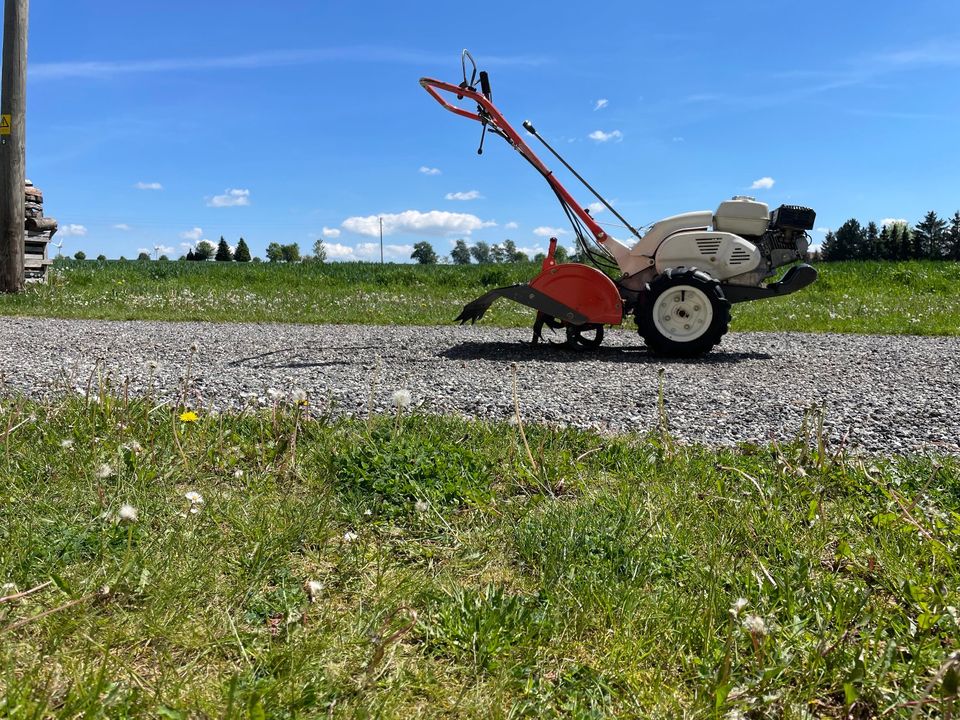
column 349, row 536
column 105, row 471
column 299, row 396
column 421, row 506
column 189, row 416
column 194, row 497
column 128, row 513
column 368, row 512
column 401, row 398
column 313, row 588
column 755, row 625
column 738, row 606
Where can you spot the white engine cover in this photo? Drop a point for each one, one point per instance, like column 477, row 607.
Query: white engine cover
column 720, row 254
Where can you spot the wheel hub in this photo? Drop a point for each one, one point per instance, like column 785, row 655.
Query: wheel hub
column 682, row 313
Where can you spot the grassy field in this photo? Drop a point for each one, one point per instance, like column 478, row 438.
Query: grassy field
column 280, row 564
column 856, row 297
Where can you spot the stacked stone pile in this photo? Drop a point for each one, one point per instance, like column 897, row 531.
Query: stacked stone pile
column 37, row 234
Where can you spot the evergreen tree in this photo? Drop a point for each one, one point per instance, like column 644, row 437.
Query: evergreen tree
column 242, row 253
column 274, row 252
column 953, row 237
column 829, row 250
column 460, row 253
column 223, row 251
column 929, row 237
column 883, row 244
column 481, row 253
column 319, row 251
column 870, row 247
column 845, row 244
column 424, row 254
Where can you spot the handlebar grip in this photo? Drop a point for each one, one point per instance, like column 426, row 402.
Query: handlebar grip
column 528, row 126
column 485, row 83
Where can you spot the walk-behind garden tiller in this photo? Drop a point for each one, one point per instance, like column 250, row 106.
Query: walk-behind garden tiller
column 679, row 278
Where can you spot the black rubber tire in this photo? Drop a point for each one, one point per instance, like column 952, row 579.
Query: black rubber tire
column 657, row 342
column 579, row 336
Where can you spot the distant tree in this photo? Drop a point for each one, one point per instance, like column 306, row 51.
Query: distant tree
column 460, row 253
column 79, row 255
column 514, row 255
column 100, row 258
column 869, row 248
column 274, row 252
column 223, row 251
column 319, row 251
column 897, row 241
column 953, row 237
column 204, row 250
column 290, row 253
column 845, row 243
column 498, row 254
column 163, row 258
column 424, row 254
column 121, row 259
column 190, row 256
column 481, row 253
column 143, row 257
column 256, row 260
column 561, row 255
column 539, row 257
column 242, row 253
column 929, row 237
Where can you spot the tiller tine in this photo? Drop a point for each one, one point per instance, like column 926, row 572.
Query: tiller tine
column 525, row 294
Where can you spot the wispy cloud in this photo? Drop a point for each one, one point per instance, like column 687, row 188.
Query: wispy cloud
column 105, row 69
column 429, row 170
column 232, row 197
column 121, row 226
column 890, row 222
column 434, row 222
column 602, row 137
column 546, row 231
column 511, row 225
column 148, row 186
column 72, row 230
column 194, row 234
column 468, row 195
column 330, row 232
column 600, row 104
column 764, row 183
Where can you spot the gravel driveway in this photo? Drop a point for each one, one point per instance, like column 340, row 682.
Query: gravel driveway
column 887, row 393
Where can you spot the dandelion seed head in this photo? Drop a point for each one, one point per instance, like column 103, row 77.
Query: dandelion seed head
column 238, row 473
column 349, row 536
column 738, row 605
column 401, row 398
column 133, row 446
column 298, row 396
column 313, row 588
column 128, row 513
column 755, row 625
column 105, row 471
column 274, row 393
column 68, row 443
column 421, row 506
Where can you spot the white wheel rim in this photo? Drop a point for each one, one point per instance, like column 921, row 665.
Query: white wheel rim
column 682, row 313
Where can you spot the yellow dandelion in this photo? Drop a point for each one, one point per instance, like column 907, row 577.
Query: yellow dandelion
column 189, row 416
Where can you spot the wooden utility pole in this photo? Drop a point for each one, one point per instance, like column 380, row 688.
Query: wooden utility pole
column 13, row 112
column 381, row 241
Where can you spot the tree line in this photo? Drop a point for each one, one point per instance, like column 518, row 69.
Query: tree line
column 933, row 238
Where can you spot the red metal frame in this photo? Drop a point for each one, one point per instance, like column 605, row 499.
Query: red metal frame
column 493, row 117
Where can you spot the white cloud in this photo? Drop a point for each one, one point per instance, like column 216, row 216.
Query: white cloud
column 193, row 235
column 764, row 183
column 336, row 251
column 148, row 186
column 434, row 222
column 185, row 246
column 601, row 136
column 164, row 249
column 72, row 230
column 596, row 208
column 371, row 251
column 511, row 225
column 232, row 197
column 468, row 195
column 823, row 230
column 888, row 222
column 546, row 231
column 677, row 138
column 429, row 170
column 121, row 226
column 601, row 104
column 330, row 232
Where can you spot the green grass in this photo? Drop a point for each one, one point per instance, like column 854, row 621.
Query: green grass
column 458, row 579
column 918, row 298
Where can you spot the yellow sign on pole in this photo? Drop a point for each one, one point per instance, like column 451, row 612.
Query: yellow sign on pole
column 4, row 124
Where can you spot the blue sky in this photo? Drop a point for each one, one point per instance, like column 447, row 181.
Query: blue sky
column 159, row 124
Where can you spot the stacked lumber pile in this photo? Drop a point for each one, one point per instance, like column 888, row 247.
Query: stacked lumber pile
column 37, row 234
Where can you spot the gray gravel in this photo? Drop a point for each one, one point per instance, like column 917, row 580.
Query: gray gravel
column 883, row 393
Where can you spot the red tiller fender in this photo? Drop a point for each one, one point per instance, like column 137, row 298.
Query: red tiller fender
column 581, row 288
